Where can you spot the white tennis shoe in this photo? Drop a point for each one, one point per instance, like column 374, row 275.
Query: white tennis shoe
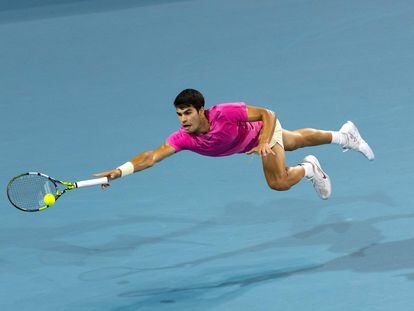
column 355, row 141
column 320, row 180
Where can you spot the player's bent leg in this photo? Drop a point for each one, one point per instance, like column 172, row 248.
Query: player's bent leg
column 348, row 137
column 278, row 176
column 305, row 137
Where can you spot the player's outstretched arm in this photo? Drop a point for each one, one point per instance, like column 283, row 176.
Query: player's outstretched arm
column 140, row 162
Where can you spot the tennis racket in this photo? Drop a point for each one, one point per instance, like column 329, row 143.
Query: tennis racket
column 27, row 191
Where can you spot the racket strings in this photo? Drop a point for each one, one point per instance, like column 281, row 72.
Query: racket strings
column 28, row 191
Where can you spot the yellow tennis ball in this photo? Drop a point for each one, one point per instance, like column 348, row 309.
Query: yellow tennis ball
column 49, row 199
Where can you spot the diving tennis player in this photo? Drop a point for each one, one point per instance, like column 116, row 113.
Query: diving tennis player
column 232, row 128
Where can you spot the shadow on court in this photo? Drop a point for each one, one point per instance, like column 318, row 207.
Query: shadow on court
column 54, row 251
column 360, row 240
column 371, row 256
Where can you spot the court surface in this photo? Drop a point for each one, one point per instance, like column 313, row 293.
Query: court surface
column 86, row 85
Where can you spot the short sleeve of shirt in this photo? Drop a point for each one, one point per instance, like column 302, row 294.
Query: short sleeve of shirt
column 234, row 112
column 177, row 141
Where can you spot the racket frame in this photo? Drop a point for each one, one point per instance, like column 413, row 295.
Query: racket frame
column 68, row 186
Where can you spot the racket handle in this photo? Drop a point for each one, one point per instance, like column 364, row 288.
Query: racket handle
column 91, row 182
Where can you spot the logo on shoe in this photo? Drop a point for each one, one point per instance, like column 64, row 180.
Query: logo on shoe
column 322, row 172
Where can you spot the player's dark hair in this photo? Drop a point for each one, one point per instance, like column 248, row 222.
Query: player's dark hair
column 188, row 98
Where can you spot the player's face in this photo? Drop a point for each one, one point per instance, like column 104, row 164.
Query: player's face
column 189, row 118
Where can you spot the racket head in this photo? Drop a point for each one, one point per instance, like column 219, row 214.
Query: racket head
column 26, row 191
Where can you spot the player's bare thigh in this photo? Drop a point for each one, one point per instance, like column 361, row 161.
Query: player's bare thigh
column 274, row 168
column 278, row 175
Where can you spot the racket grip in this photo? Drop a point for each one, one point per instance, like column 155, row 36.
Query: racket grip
column 91, row 182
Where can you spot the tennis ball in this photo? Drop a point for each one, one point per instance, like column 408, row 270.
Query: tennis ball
column 49, row 199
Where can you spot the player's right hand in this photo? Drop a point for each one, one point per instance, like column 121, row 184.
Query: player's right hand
column 111, row 175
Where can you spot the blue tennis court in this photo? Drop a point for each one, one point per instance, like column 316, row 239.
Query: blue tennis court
column 86, row 85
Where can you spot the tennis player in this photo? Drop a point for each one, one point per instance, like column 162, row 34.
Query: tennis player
column 232, row 128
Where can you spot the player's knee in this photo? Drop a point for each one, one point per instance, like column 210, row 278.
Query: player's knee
column 291, row 147
column 279, row 185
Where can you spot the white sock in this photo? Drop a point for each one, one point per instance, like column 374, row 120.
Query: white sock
column 338, row 138
column 308, row 169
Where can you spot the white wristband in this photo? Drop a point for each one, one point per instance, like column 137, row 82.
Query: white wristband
column 126, row 169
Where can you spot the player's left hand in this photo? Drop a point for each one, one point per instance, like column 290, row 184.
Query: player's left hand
column 262, row 149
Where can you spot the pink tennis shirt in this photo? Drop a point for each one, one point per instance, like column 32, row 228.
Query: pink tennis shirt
column 229, row 133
